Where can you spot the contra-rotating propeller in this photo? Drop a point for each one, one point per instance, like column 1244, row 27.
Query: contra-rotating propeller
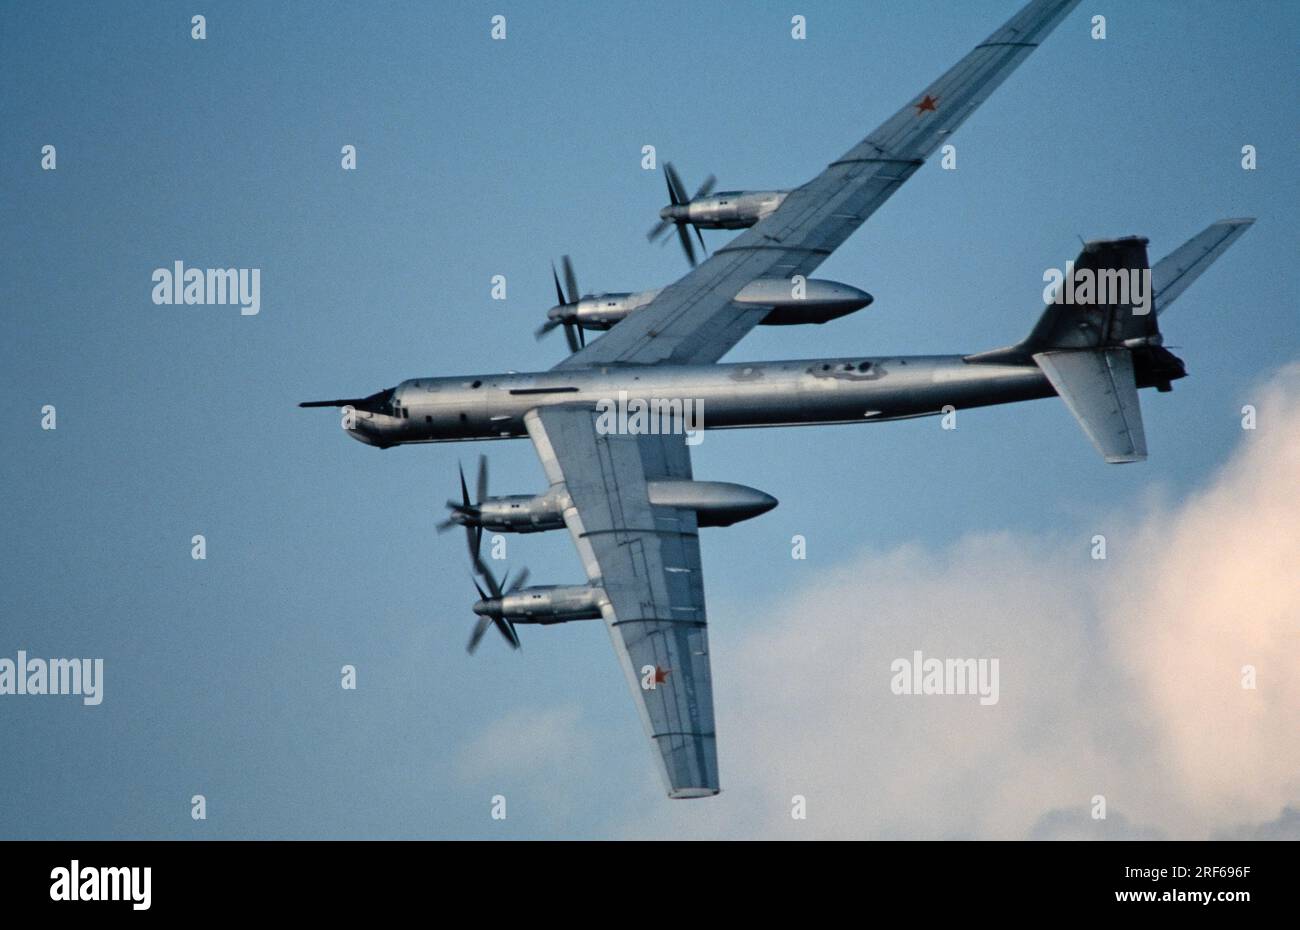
column 489, row 609
column 469, row 514
column 677, row 213
column 564, row 313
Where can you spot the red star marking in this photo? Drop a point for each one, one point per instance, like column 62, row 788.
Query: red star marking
column 661, row 674
column 927, row 104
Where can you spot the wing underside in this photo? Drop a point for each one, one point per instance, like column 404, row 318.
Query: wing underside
column 647, row 559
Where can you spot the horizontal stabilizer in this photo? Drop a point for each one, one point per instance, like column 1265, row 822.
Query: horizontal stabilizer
column 1099, row 387
column 1174, row 273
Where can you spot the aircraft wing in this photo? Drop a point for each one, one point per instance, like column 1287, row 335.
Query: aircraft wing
column 694, row 320
column 1174, row 273
column 647, row 559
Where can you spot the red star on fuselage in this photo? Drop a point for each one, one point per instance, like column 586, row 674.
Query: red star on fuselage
column 926, row 104
column 661, row 674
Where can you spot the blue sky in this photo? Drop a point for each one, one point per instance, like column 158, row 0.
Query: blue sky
column 479, row 158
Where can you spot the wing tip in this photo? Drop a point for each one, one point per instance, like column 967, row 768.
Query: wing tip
column 687, row 794
column 1236, row 221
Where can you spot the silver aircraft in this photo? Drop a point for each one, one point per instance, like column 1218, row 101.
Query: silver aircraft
column 787, row 303
column 706, row 210
column 614, row 421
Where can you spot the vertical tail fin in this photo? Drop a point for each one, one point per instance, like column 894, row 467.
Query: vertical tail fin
column 1098, row 341
column 1083, row 343
column 1103, row 299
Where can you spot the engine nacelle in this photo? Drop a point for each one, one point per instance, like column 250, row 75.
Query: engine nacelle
column 547, row 604
column 601, row 311
column 809, row 301
column 814, row 301
column 726, row 209
column 519, row 513
column 716, row 503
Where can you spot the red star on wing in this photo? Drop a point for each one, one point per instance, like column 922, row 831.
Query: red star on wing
column 661, row 674
column 926, row 104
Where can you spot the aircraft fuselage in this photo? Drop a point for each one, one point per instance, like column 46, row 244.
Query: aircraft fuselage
column 853, row 389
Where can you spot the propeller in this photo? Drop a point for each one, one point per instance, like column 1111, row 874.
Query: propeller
column 467, row 514
column 562, row 314
column 489, row 609
column 677, row 213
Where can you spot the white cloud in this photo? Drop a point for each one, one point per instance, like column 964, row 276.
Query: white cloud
column 525, row 740
column 1119, row 678
column 531, row 753
column 1285, row 827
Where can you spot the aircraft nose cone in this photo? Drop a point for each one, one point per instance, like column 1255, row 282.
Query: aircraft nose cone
column 482, row 608
column 673, row 211
column 358, row 427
